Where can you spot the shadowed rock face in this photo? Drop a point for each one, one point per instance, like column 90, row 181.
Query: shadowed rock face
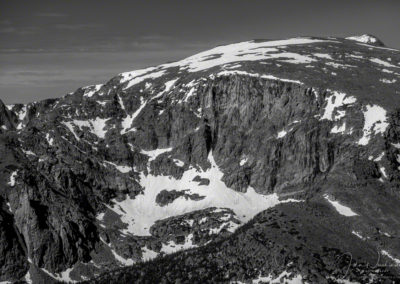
column 165, row 197
column 179, row 156
column 13, row 262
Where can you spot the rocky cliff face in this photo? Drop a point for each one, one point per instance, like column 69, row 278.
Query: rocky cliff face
column 181, row 155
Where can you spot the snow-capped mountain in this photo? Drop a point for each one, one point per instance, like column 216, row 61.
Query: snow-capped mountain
column 254, row 161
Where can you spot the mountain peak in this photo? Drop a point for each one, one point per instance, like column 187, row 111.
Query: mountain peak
column 367, row 38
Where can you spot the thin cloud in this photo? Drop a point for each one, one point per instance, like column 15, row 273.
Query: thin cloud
column 51, row 15
column 74, row 27
column 155, row 37
column 7, row 30
column 5, row 22
column 19, row 30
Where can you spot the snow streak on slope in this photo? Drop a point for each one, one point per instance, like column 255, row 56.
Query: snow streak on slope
column 395, row 260
column 153, row 154
column 237, row 72
column 383, row 63
column 168, row 86
column 341, row 209
column 127, row 121
column 142, row 212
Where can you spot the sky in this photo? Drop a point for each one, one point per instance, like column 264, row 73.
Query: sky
column 51, row 48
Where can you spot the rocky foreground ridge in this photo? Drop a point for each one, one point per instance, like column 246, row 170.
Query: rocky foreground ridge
column 250, row 162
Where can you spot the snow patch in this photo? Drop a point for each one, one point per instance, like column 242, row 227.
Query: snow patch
column 100, row 216
column 343, row 281
column 28, row 278
column 284, row 277
column 12, row 178
column 338, row 65
column 28, row 152
column 355, row 56
column 383, row 171
column 230, row 227
column 237, row 72
column 96, row 126
column 189, row 94
column 377, row 159
column 234, row 66
column 387, row 81
column 122, row 169
column 170, row 84
column 382, row 62
column 334, row 101
column 363, row 38
column 323, row 55
column 179, row 163
column 21, row 116
column 281, row 134
column 140, row 78
column 154, row 153
column 168, row 87
column 91, row 90
column 387, row 71
column 142, row 212
column 62, row 276
column 148, row 254
column 396, row 145
column 121, row 102
column 341, row 209
column 137, row 76
column 123, row 261
column 375, row 122
column 126, row 123
column 171, row 247
column 243, row 161
column 339, row 129
column 358, row 235
column 102, row 103
column 395, row 260
column 50, row 140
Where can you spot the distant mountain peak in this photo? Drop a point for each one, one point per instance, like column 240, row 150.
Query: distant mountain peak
column 367, row 38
